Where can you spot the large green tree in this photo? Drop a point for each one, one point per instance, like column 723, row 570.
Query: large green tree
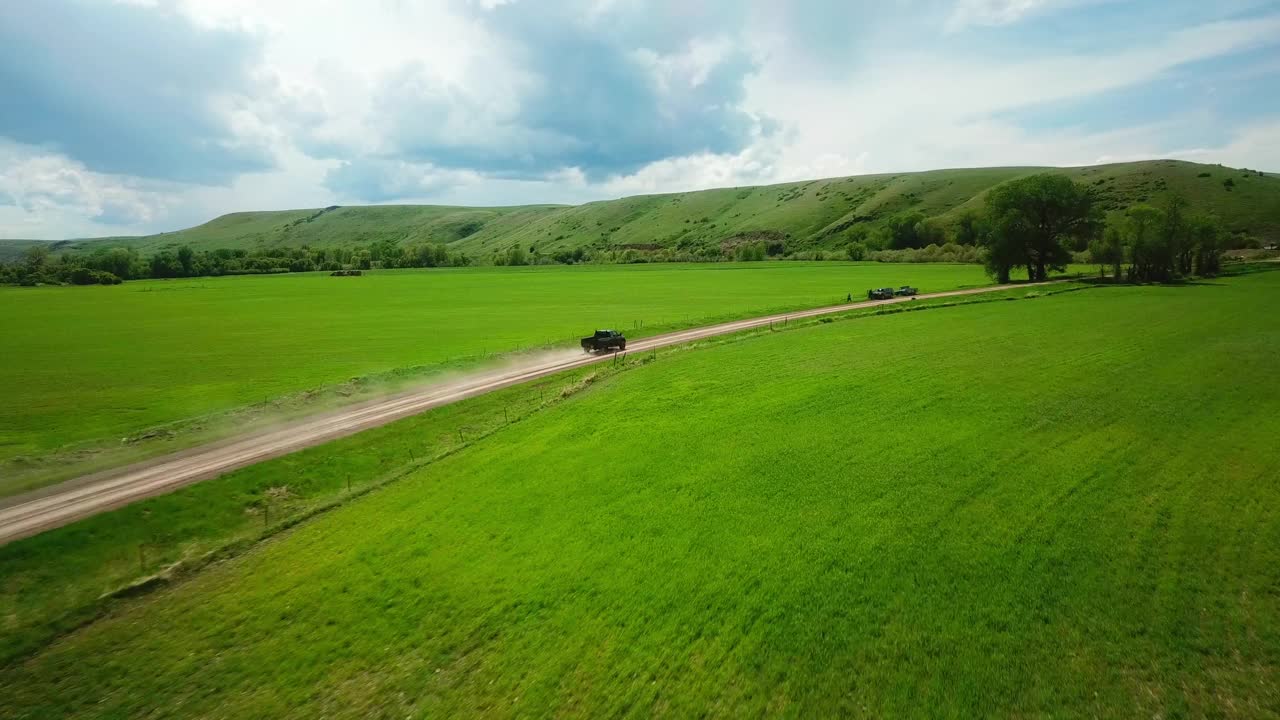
column 1150, row 254
column 904, row 230
column 36, row 256
column 1036, row 218
column 968, row 228
column 1004, row 247
column 1208, row 238
column 1177, row 233
column 186, row 258
column 1108, row 250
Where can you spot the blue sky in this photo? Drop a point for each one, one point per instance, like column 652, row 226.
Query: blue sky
column 146, row 115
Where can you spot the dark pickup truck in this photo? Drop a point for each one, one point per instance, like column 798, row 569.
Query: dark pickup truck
column 880, row 294
column 907, row 290
column 603, row 341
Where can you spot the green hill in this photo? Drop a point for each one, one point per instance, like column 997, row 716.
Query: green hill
column 13, row 249
column 333, row 226
column 815, row 213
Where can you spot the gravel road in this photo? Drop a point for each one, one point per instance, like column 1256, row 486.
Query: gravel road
column 59, row 505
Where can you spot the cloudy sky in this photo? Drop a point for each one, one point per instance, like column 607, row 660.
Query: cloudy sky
column 123, row 117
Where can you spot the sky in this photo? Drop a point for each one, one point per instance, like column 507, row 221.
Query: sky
column 124, row 117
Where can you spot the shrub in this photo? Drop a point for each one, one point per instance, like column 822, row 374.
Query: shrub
column 85, row 276
column 750, row 252
column 950, row 252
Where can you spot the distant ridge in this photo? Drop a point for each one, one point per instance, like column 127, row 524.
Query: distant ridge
column 813, row 213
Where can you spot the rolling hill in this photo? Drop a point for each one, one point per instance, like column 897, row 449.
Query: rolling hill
column 813, row 213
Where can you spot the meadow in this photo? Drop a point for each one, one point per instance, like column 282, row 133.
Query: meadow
column 65, row 577
column 1058, row 506
column 160, row 363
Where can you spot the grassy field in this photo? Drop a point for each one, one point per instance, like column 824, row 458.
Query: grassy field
column 811, row 213
column 64, row 577
column 86, row 367
column 1063, row 506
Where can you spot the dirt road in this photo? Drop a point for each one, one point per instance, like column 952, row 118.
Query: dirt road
column 59, row 505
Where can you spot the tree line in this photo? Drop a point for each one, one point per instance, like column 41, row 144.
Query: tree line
column 1039, row 222
column 110, row 265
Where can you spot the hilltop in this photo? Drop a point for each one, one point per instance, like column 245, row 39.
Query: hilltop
column 810, row 214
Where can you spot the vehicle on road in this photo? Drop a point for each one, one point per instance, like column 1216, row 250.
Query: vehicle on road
column 880, row 294
column 906, row 291
column 604, row 341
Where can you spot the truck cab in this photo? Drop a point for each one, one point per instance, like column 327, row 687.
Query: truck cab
column 604, row 340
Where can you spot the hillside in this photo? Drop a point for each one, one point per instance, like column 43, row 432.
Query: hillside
column 331, row 227
column 814, row 213
column 13, row 249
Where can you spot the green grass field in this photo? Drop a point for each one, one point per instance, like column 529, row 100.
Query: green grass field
column 61, row 578
column 1064, row 506
column 86, row 367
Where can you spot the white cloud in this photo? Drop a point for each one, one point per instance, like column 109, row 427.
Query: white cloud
column 996, row 13
column 989, row 12
column 385, row 180
column 1255, row 146
column 922, row 111
column 372, row 92
column 37, row 182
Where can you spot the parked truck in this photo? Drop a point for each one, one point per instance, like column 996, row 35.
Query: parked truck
column 880, row 294
column 604, row 341
column 907, row 291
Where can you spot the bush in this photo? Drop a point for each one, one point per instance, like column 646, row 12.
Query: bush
column 750, row 252
column 950, row 253
column 85, row 276
column 512, row 256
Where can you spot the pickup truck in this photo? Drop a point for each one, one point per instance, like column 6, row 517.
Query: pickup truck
column 880, row 294
column 603, row 341
column 906, row 290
